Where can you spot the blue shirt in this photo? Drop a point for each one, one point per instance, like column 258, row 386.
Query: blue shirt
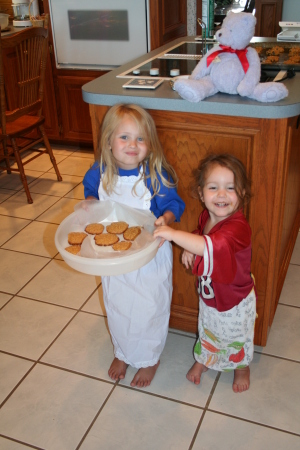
column 167, row 200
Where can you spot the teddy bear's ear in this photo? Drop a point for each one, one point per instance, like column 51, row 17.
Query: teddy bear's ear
column 249, row 19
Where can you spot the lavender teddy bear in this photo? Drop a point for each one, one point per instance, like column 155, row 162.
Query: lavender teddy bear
column 231, row 67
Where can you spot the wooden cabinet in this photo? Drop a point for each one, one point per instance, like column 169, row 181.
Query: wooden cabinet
column 268, row 15
column 168, row 21
column 269, row 148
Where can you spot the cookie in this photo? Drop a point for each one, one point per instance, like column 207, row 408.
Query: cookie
column 74, row 249
column 121, row 246
column 106, row 239
column 76, row 237
column 132, row 233
column 117, row 227
column 94, row 228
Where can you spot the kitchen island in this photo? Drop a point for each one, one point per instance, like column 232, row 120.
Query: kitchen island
column 264, row 136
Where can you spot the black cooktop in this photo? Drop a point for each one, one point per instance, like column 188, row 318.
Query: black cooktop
column 164, row 66
column 189, row 48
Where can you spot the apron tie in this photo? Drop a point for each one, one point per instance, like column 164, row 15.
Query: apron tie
column 241, row 54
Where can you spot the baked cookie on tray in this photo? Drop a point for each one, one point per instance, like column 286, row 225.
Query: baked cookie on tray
column 76, row 237
column 106, row 239
column 94, row 228
column 117, row 227
column 74, row 249
column 122, row 246
column 131, row 233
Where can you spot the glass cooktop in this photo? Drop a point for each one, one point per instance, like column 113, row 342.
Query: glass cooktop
column 161, row 68
column 181, row 60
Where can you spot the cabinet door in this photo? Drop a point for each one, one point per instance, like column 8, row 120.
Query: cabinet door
column 268, row 15
column 49, row 104
column 75, row 116
column 168, row 21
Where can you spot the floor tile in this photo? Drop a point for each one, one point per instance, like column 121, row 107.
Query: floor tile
column 17, row 205
column 27, row 327
column 274, row 383
column 13, row 180
column 226, row 433
column 12, row 274
column 61, row 149
column 12, row 370
column 96, row 303
column 284, row 336
column 84, row 153
column 61, row 285
column 4, row 298
column 295, row 259
column 75, row 165
column 7, row 444
column 48, row 184
column 77, row 193
column 52, row 409
column 40, row 164
column 10, row 226
column 290, row 294
column 59, row 211
column 5, row 194
column 37, row 239
column 134, row 420
column 84, row 347
column 170, row 379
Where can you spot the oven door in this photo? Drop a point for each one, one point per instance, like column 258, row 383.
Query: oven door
column 93, row 34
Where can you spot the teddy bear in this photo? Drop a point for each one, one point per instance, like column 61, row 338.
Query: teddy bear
column 230, row 67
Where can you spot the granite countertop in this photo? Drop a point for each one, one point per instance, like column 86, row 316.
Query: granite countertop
column 107, row 90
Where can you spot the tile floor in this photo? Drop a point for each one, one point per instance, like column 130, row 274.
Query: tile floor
column 55, row 349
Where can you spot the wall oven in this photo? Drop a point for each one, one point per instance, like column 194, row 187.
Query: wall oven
column 99, row 34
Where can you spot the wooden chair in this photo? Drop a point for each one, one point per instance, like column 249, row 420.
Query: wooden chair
column 21, row 94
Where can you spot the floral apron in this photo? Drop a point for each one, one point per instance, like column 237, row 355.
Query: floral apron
column 226, row 338
column 138, row 303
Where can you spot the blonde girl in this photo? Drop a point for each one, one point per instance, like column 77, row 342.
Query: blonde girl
column 219, row 252
column 133, row 170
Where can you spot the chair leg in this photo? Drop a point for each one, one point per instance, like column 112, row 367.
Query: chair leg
column 50, row 152
column 21, row 169
column 6, row 157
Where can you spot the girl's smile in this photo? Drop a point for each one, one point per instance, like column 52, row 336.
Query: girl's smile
column 219, row 194
column 128, row 145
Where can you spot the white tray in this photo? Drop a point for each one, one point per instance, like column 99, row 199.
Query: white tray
column 113, row 264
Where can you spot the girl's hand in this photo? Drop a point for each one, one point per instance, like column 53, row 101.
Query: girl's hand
column 188, row 259
column 164, row 232
column 167, row 218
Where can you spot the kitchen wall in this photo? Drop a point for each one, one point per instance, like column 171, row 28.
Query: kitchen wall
column 291, row 10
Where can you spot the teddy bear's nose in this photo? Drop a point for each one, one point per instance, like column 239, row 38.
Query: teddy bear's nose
column 219, row 34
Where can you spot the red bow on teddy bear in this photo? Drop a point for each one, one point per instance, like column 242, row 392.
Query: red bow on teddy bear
column 241, row 54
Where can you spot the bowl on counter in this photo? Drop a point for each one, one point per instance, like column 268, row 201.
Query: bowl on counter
column 4, row 21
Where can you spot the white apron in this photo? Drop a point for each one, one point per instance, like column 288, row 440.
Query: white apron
column 138, row 303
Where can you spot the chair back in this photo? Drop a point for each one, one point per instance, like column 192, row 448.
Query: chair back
column 22, row 77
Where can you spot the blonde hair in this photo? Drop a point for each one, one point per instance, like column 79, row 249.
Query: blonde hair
column 242, row 184
column 155, row 157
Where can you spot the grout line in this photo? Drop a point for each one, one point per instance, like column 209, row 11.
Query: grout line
column 95, row 418
column 205, row 410
column 254, row 422
column 20, row 442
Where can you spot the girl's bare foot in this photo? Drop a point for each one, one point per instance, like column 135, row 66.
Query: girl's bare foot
column 195, row 372
column 241, row 381
column 117, row 369
column 144, row 376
